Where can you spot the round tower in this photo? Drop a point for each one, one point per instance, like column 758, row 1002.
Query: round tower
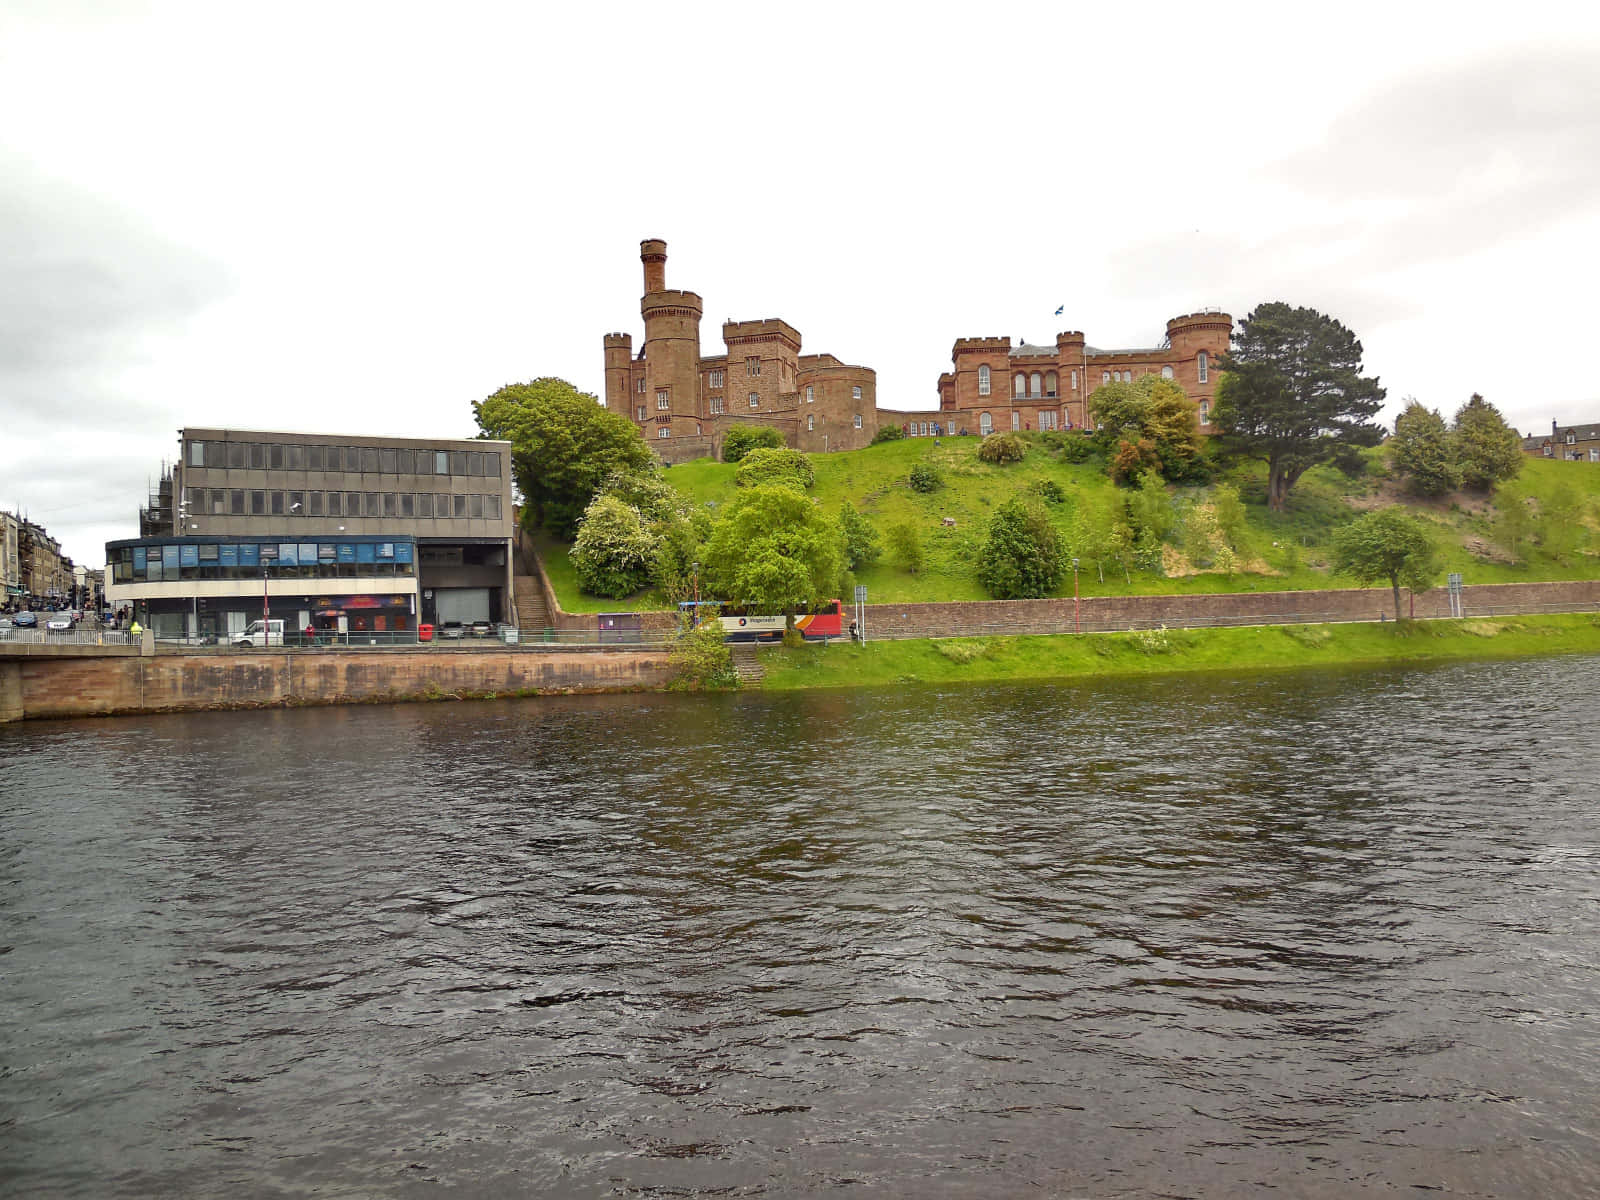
column 619, row 354
column 671, row 348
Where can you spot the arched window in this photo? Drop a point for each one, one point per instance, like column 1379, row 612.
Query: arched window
column 1035, row 384
column 1166, row 372
column 983, row 381
column 1202, row 365
column 1019, row 385
column 985, row 424
column 1051, row 386
column 1105, row 376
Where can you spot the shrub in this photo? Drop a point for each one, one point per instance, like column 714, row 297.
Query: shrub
column 1023, row 556
column 614, row 554
column 925, row 478
column 861, row 545
column 887, row 433
column 744, row 438
column 768, row 467
column 1002, row 448
column 905, row 543
column 1051, row 492
column 701, row 657
column 1077, row 447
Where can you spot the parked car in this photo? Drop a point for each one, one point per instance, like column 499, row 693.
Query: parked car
column 62, row 622
column 5, row 626
column 452, row 629
column 25, row 620
column 482, row 629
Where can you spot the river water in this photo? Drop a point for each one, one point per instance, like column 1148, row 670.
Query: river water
column 1301, row 934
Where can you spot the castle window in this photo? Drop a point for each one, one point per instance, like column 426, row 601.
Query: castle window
column 985, row 424
column 1051, row 385
column 1019, row 385
column 661, row 400
column 641, row 412
column 716, row 404
column 1016, row 420
column 1166, row 372
column 1035, row 384
column 1202, row 364
column 983, row 381
column 855, row 393
column 641, row 385
column 1205, row 412
column 1074, row 379
column 715, row 379
column 811, row 422
column 663, row 432
column 810, row 398
column 752, row 367
column 858, row 420
column 1105, row 376
column 1047, row 420
column 755, row 400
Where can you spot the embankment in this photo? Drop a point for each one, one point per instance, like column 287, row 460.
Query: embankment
column 73, row 686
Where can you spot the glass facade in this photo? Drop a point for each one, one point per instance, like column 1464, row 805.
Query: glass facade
column 160, row 560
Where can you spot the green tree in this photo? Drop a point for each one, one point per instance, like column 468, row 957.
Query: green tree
column 887, row 433
column 701, row 657
column 1292, row 394
column 1387, row 544
column 1513, row 523
column 1149, row 423
column 614, row 554
column 775, row 551
column 767, row 465
column 742, row 439
column 1560, row 523
column 1489, row 450
column 905, row 543
column 861, row 545
column 1424, row 452
column 1022, row 556
column 563, row 446
column 1230, row 513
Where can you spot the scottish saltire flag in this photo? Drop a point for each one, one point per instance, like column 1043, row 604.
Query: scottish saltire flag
column 1060, row 310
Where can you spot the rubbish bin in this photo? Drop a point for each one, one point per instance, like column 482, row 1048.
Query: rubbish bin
column 424, row 633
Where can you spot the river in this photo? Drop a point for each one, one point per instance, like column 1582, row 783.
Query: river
column 1299, row 934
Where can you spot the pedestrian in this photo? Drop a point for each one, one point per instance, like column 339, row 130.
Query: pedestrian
column 853, row 632
column 311, row 634
column 135, row 629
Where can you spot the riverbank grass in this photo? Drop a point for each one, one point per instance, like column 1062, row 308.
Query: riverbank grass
column 1168, row 651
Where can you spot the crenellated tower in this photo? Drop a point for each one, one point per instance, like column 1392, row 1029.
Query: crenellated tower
column 671, row 348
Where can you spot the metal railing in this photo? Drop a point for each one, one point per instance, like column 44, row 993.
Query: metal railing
column 80, row 636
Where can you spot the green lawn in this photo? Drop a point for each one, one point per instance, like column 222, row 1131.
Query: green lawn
column 1157, row 652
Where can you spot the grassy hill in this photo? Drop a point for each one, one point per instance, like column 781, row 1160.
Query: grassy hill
column 1273, row 551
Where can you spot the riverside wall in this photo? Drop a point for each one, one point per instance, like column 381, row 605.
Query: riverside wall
column 78, row 686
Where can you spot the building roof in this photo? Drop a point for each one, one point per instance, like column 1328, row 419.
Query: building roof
column 1027, row 349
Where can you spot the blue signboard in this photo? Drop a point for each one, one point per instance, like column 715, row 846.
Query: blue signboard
column 308, row 553
column 230, row 554
column 190, row 556
column 249, row 554
column 288, row 555
column 138, row 558
column 402, row 552
column 327, row 552
column 366, row 552
column 347, row 552
column 385, row 550
column 169, row 557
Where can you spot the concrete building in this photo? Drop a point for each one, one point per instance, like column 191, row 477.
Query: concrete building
column 683, row 404
column 1575, row 443
column 344, row 533
column 10, row 561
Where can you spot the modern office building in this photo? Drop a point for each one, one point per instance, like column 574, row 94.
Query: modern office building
column 343, row 533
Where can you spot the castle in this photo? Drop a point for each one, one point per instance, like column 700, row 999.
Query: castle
column 684, row 404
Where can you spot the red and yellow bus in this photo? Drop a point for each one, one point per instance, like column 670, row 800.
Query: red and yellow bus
column 747, row 625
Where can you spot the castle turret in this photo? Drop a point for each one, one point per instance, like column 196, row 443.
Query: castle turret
column 619, row 354
column 671, row 347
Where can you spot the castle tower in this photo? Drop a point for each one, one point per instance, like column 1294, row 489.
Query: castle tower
column 671, row 349
column 619, row 354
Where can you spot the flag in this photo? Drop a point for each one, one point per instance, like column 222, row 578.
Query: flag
column 1060, row 310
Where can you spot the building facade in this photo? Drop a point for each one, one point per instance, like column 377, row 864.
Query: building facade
column 343, row 533
column 683, row 404
column 10, row 562
column 1574, row 443
column 997, row 386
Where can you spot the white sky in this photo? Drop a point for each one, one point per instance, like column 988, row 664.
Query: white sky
column 363, row 217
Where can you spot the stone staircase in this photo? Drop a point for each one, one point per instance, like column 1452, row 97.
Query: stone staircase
column 533, row 615
column 746, row 664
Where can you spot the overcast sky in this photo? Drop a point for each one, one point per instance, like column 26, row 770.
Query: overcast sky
column 363, row 217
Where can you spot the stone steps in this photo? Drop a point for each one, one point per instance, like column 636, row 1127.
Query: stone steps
column 747, row 665
column 532, row 612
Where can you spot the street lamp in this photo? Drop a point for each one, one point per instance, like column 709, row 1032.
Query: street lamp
column 1077, row 623
column 696, row 620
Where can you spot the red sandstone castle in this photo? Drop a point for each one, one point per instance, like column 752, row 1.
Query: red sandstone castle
column 684, row 404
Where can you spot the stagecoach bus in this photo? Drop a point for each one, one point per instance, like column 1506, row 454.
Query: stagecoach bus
column 747, row 625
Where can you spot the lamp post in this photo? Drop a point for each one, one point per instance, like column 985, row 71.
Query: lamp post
column 1077, row 622
column 696, row 620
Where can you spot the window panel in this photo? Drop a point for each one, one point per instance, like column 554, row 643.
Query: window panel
column 238, row 455
column 295, row 457
column 459, row 507
column 369, row 460
column 388, row 460
column 475, row 507
column 491, row 507
column 425, row 504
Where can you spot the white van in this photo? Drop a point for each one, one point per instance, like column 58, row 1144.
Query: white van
column 269, row 633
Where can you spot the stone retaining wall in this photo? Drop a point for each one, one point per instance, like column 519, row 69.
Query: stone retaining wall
column 78, row 687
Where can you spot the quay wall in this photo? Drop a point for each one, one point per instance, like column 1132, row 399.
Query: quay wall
column 71, row 686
